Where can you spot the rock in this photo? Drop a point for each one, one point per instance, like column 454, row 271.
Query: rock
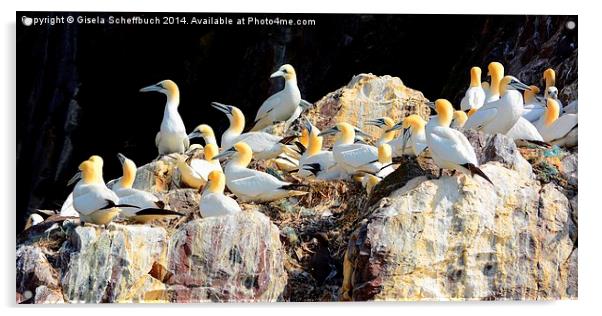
column 498, row 148
column 45, row 295
column 367, row 97
column 461, row 238
column 568, row 169
column 233, row 258
column 34, row 270
column 103, row 265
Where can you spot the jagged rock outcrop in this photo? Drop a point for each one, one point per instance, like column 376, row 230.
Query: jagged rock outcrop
column 462, row 238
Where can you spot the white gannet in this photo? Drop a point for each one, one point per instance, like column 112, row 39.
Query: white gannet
column 203, row 167
column 524, row 130
column 281, row 106
column 188, row 176
column 459, row 120
column 33, row 220
column 475, row 94
column 206, row 132
column 172, row 137
column 500, row 116
column 413, row 133
column 450, row 148
column 486, row 89
column 264, row 145
column 385, row 158
column 94, row 202
column 533, row 109
column 213, row 201
column 148, row 206
column 496, row 71
column 316, row 161
column 556, row 129
column 352, row 157
column 253, row 185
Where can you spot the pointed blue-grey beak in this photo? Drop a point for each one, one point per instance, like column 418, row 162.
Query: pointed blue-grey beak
column 226, row 153
column 360, row 132
column 278, row 73
column 121, row 158
column 227, row 109
column 396, row 127
column 516, row 84
column 431, row 104
column 331, row 131
column 75, row 178
column 376, row 122
column 154, row 87
column 194, row 134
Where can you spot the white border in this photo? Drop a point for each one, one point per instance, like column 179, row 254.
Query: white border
column 590, row 219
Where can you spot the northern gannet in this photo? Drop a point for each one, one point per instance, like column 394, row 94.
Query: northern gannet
column 253, row 185
column 556, row 129
column 450, row 148
column 385, row 158
column 500, row 116
column 316, row 161
column 524, row 130
column 552, row 92
column 94, row 202
column 206, row 132
column 385, row 123
column 352, row 157
column 188, row 176
column 264, row 145
column 213, row 201
column 203, row 167
column 148, row 206
column 413, row 133
column 172, row 137
column 475, row 94
column 549, row 76
column 532, row 109
column 459, row 120
column 496, row 71
column 281, row 106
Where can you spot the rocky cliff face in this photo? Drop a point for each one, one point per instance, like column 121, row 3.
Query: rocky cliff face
column 414, row 238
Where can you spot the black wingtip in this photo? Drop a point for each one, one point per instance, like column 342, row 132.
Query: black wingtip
column 539, row 143
column 126, row 205
column 302, row 148
column 475, row 170
column 288, row 139
column 295, row 186
column 158, row 211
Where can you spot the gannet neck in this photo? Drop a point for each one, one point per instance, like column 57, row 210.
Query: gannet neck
column 529, row 95
column 129, row 174
column 290, row 83
column 496, row 70
column 475, row 77
column 415, row 123
column 552, row 112
column 503, row 86
column 471, row 112
column 444, row 112
column 217, row 182
column 460, row 117
column 244, row 154
column 90, row 172
column 385, row 154
column 549, row 75
column 346, row 135
column 315, row 144
column 237, row 122
column 211, row 151
column 304, row 138
column 207, row 134
column 388, row 136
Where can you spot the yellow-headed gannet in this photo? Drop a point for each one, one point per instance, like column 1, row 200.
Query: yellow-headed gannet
column 172, row 137
column 94, row 202
column 385, row 123
column 501, row 115
column 188, row 176
column 549, row 76
column 283, row 105
column 450, row 148
column 213, row 201
column 475, row 94
column 459, row 120
column 533, row 109
column 556, row 129
column 206, row 132
column 413, row 133
column 252, row 185
column 264, row 145
column 203, row 167
column 148, row 206
column 352, row 157
column 496, row 71
column 316, row 161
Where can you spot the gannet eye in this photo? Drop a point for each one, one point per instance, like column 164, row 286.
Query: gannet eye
column 284, row 70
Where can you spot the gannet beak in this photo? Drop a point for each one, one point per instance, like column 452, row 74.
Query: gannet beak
column 395, row 127
column 330, row 131
column 520, row 86
column 154, row 87
column 361, row 133
column 121, row 158
column 227, row 153
column 75, row 178
column 308, row 126
column 195, row 134
column 278, row 73
column 377, row 122
column 222, row 107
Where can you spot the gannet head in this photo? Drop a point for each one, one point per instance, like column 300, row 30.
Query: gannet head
column 234, row 114
column 166, row 87
column 471, row 112
column 287, row 71
column 475, row 77
column 529, row 94
column 381, row 122
column 241, row 152
column 511, row 83
column 552, row 92
column 552, row 111
column 460, row 117
column 549, row 76
column 202, row 130
column 345, row 131
column 217, row 182
column 385, row 153
column 88, row 172
column 211, row 151
column 495, row 70
column 97, row 160
column 445, row 112
column 129, row 171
